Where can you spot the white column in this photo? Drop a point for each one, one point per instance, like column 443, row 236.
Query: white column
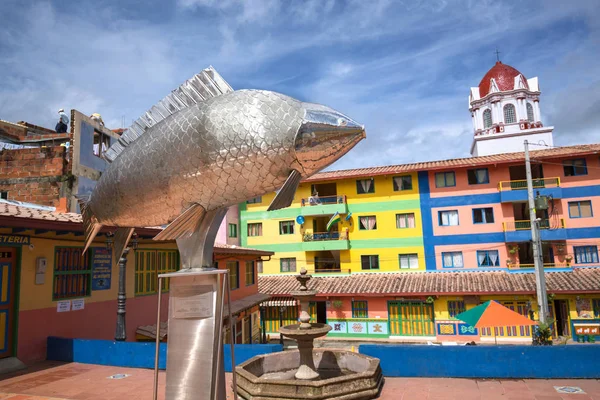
column 495, row 114
column 536, row 110
column 478, row 121
column 474, row 120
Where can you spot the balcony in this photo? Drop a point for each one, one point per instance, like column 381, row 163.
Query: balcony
column 316, row 241
column 325, row 205
column 519, row 231
column 518, row 266
column 511, row 191
column 336, row 271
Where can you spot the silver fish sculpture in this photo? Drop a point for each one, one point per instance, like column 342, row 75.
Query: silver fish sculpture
column 187, row 169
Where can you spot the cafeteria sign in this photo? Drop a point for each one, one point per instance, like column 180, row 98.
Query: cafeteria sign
column 14, row 239
column 101, row 268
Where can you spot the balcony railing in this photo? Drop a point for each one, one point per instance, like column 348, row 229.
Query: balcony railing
column 525, row 225
column 522, row 184
column 324, row 200
column 338, row 271
column 531, row 266
column 321, row 236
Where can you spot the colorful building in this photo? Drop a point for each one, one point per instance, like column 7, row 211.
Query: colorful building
column 469, row 215
column 48, row 288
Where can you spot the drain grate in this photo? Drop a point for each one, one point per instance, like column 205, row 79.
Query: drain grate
column 569, row 389
column 118, row 376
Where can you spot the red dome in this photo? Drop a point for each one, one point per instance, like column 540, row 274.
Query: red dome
column 504, row 75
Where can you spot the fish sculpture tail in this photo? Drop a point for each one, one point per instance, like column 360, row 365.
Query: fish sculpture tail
column 90, row 222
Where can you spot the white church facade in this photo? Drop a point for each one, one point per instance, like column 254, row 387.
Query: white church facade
column 505, row 109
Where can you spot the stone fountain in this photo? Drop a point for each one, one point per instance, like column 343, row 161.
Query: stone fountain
column 307, row 373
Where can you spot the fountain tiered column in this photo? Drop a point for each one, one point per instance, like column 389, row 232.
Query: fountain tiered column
column 306, row 332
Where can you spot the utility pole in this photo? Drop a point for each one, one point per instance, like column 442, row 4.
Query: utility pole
column 540, row 278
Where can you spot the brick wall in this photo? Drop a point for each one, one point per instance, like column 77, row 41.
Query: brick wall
column 34, row 175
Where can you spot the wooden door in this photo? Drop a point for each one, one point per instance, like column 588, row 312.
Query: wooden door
column 7, row 302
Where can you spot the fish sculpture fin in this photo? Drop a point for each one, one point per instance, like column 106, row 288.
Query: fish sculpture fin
column 122, row 236
column 91, row 225
column 196, row 250
column 201, row 87
column 285, row 197
column 184, row 225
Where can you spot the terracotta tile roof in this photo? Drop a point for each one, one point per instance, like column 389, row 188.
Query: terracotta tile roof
column 40, row 213
column 456, row 163
column 428, row 283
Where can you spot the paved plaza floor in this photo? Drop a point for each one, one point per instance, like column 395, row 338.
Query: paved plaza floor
column 56, row 381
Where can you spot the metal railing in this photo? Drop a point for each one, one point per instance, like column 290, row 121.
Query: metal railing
column 341, row 271
column 522, row 184
column 323, row 200
column 322, row 236
column 525, row 225
column 531, row 266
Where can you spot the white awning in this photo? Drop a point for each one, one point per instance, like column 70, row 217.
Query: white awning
column 280, row 302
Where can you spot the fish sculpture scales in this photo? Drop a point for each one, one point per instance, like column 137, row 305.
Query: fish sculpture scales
column 187, row 169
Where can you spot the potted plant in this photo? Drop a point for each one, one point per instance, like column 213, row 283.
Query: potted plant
column 568, row 259
column 514, row 249
column 429, row 300
column 543, row 334
column 337, row 304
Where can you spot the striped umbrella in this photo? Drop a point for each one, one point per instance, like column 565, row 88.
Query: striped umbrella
column 492, row 314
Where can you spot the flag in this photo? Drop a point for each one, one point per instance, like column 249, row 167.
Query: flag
column 335, row 218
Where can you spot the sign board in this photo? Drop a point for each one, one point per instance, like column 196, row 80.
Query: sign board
column 192, row 301
column 14, row 239
column 78, row 304
column 63, row 306
column 587, row 329
column 101, row 268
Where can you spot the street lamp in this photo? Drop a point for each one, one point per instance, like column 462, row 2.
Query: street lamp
column 281, row 311
column 120, row 333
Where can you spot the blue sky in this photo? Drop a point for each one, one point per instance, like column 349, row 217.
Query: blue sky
column 402, row 68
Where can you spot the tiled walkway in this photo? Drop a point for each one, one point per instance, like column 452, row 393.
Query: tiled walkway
column 92, row 382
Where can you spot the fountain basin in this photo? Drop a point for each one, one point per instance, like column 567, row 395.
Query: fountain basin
column 294, row 331
column 343, row 375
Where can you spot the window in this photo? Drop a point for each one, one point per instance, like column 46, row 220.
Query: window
column 232, row 230
column 4, row 195
column 453, row 259
column 448, row 218
column 483, row 215
column 101, row 143
column 150, row 263
column 586, row 254
column 367, row 223
column 488, row 258
column 580, row 209
column 408, row 261
column 402, row 183
column 259, row 267
column 445, row 179
column 255, row 200
column 287, row 265
column 286, row 227
column 510, row 117
column 575, row 167
column 365, row 186
column 234, row 274
column 529, row 112
column 255, row 229
column 72, row 273
column 478, row 176
column 250, row 273
column 487, row 119
column 596, row 306
column 405, row 220
column 369, row 262
column 455, row 307
column 359, row 309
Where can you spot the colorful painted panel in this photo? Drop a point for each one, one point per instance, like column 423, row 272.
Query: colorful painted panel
column 446, row 329
column 4, row 284
column 338, row 326
column 4, row 332
column 378, row 328
column 357, row 327
column 467, row 330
